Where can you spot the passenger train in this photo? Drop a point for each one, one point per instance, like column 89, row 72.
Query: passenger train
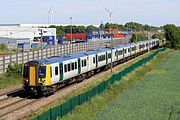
column 45, row 76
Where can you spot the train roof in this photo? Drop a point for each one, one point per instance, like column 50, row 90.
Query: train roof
column 66, row 57
column 63, row 58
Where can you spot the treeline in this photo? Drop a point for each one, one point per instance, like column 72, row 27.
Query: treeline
column 172, row 35
column 62, row 30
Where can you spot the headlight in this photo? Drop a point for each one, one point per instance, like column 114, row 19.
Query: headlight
column 25, row 80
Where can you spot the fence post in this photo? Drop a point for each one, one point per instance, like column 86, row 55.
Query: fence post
column 10, row 58
column 50, row 51
column 50, row 114
column 46, row 52
column 70, row 104
column 54, row 51
column 4, row 64
column 28, row 56
column 38, row 54
column 61, row 110
column 16, row 57
column 79, row 99
column 22, row 57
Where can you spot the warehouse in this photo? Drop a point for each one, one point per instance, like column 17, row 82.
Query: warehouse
column 14, row 43
column 31, row 33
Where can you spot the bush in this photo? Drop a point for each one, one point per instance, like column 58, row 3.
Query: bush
column 14, row 69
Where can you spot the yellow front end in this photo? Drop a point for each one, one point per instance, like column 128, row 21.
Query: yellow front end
column 47, row 80
column 34, row 78
column 137, row 48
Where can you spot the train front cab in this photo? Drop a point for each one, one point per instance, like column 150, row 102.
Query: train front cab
column 36, row 77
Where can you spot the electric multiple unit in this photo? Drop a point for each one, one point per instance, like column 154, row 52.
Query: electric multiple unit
column 48, row 74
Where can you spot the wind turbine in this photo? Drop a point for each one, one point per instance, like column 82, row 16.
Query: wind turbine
column 50, row 16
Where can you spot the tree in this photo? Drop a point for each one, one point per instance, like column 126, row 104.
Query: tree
column 172, row 34
column 138, row 37
column 91, row 27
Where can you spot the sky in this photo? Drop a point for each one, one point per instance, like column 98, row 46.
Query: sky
column 152, row 12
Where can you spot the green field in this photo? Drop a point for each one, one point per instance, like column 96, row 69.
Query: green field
column 155, row 97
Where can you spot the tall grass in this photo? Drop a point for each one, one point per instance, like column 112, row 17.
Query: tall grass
column 12, row 76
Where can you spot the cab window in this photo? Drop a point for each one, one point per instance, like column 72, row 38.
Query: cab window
column 42, row 71
column 26, row 72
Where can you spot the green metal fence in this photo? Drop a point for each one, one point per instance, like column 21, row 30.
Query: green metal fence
column 63, row 109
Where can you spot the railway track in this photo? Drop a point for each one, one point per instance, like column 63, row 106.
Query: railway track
column 11, row 93
column 17, row 101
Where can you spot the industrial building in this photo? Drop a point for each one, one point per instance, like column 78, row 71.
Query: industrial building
column 26, row 34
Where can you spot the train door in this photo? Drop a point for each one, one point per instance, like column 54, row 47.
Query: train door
column 61, row 71
column 33, row 77
column 107, row 57
column 116, row 54
column 55, row 73
column 79, row 65
column 96, row 61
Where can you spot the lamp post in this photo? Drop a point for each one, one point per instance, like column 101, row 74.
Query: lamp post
column 148, row 41
column 71, row 35
column 41, row 33
column 110, row 15
column 101, row 30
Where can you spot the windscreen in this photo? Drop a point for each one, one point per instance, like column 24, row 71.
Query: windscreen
column 42, row 71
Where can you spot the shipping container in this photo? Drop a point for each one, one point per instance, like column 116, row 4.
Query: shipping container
column 75, row 36
column 50, row 40
column 36, row 45
column 118, row 35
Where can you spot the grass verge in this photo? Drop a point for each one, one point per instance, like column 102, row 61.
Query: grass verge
column 8, row 81
column 98, row 103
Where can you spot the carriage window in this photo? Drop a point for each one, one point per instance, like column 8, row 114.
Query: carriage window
column 94, row 60
column 65, row 68
column 109, row 55
column 56, row 70
column 75, row 65
column 101, row 58
column 133, row 48
column 84, row 62
column 72, row 66
column 69, row 67
column 128, row 49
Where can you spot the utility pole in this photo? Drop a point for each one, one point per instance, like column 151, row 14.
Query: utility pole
column 41, row 33
column 101, row 30
column 110, row 15
column 71, row 35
